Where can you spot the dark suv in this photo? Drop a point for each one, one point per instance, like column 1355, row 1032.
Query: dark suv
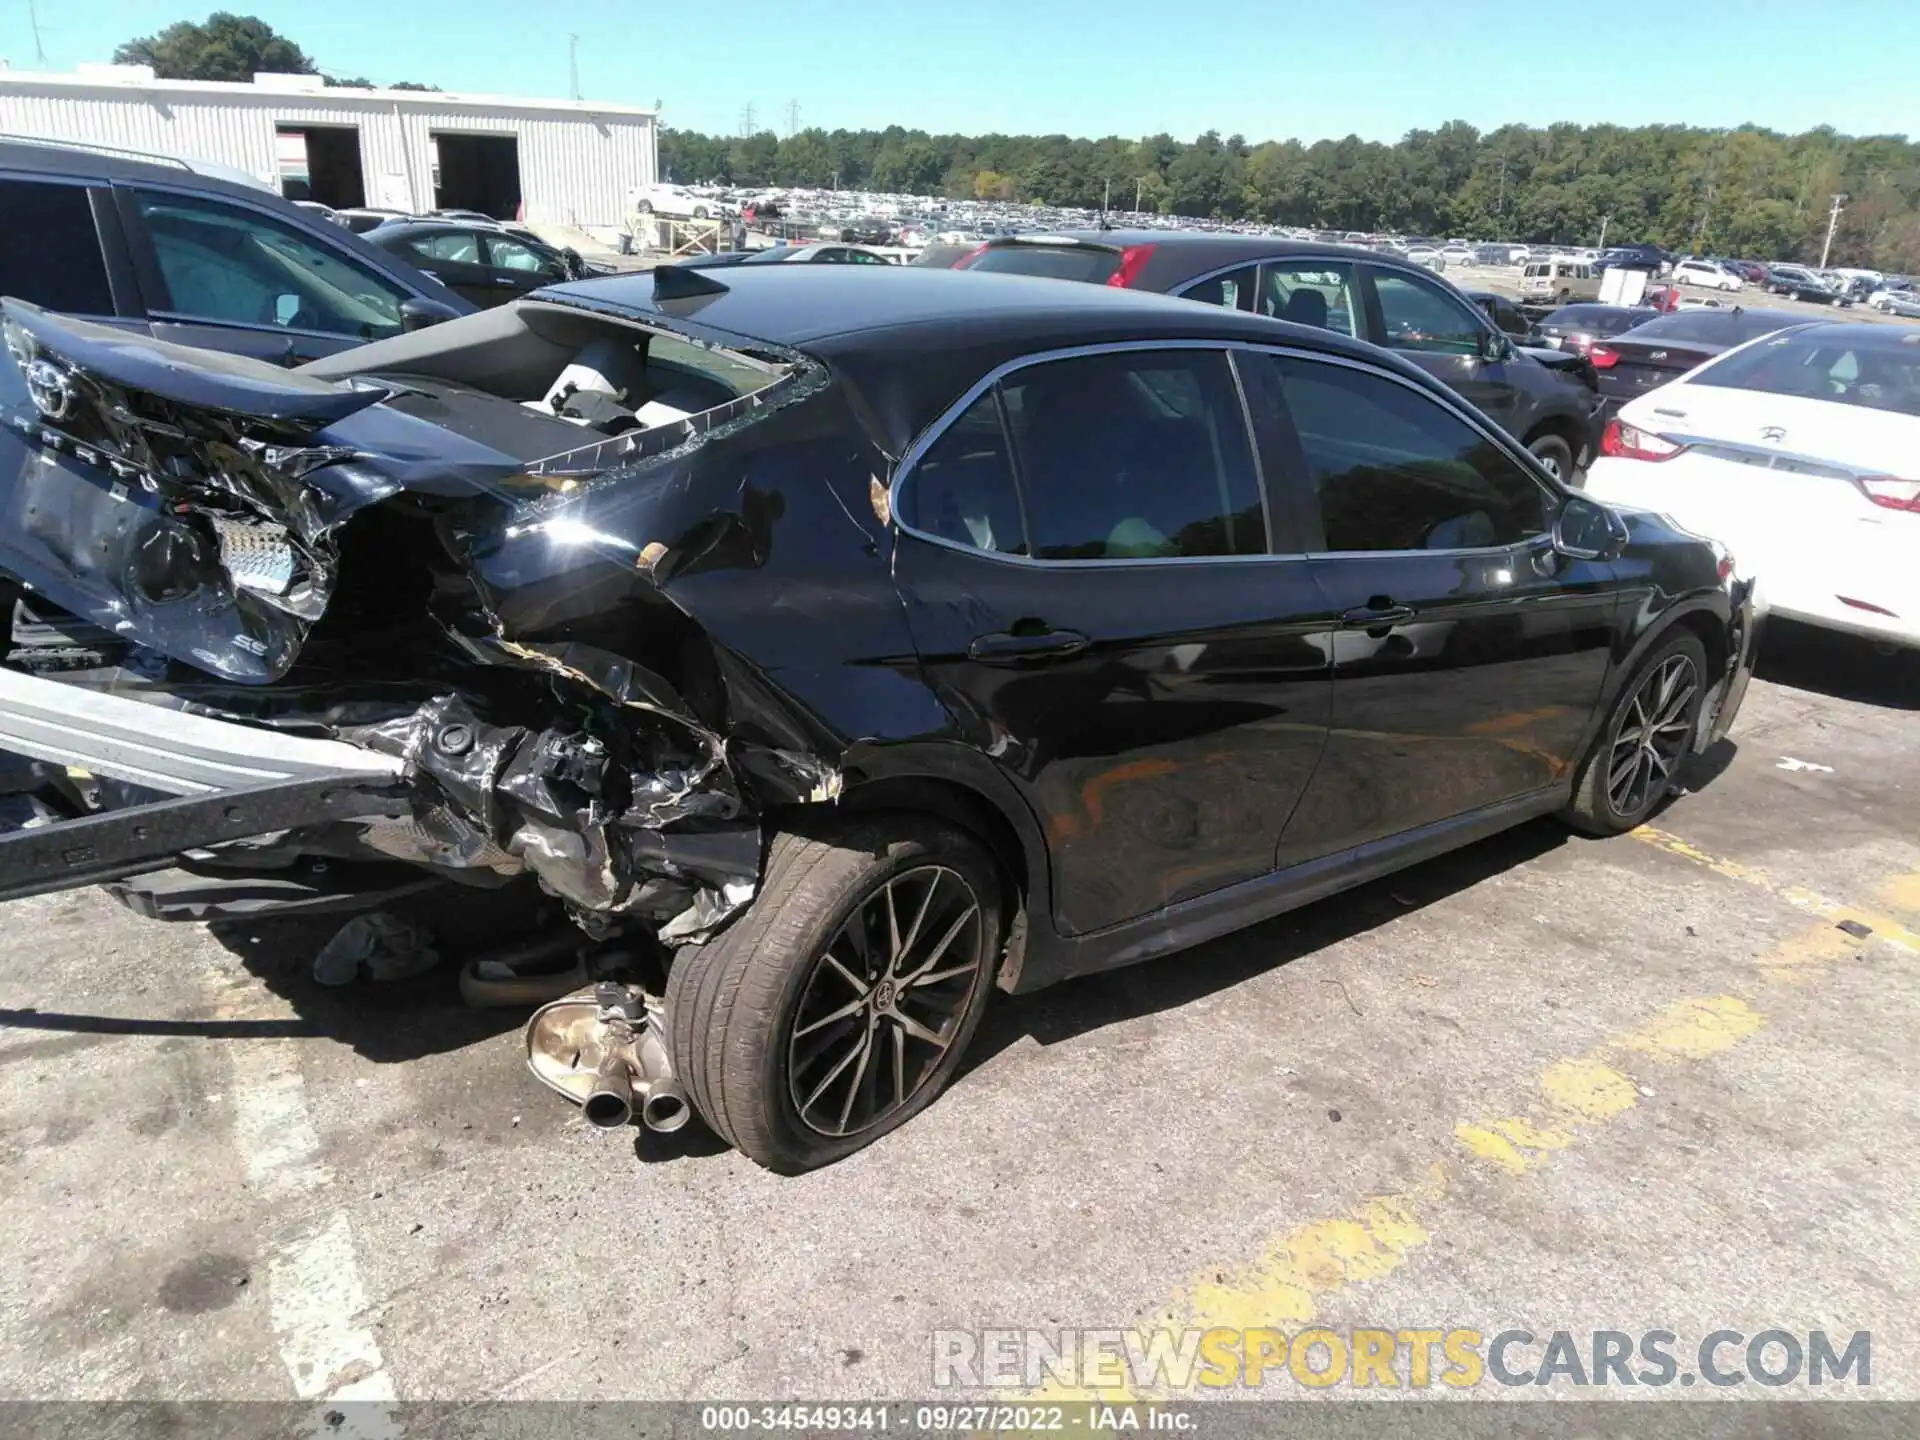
column 153, row 245
column 1391, row 302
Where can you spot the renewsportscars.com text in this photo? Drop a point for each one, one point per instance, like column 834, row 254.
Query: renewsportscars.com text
column 1375, row 1358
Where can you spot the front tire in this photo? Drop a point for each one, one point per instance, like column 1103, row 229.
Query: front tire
column 838, row 1006
column 1633, row 764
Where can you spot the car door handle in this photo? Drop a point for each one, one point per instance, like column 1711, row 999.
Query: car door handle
column 1007, row 648
column 501, row 280
column 1380, row 615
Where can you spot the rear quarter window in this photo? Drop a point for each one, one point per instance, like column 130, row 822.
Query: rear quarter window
column 50, row 250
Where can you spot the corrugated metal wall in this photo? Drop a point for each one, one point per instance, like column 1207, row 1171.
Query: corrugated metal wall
column 576, row 165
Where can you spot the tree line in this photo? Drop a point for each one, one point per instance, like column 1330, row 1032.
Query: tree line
column 233, row 48
column 1747, row 192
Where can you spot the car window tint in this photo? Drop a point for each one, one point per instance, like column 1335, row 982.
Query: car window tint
column 1134, row 455
column 508, row 254
column 866, row 257
column 1308, row 292
column 226, row 264
column 49, row 249
column 1873, row 375
column 962, row 489
column 456, row 248
column 1095, row 264
column 1419, row 315
column 1231, row 291
column 1396, row 470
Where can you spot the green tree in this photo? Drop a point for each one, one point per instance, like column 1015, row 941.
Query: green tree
column 227, row 47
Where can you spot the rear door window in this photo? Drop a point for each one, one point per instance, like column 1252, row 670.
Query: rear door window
column 1135, row 454
column 50, row 249
column 1123, row 455
column 1309, row 292
column 455, row 249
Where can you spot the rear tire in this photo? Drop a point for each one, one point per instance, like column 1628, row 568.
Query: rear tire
column 1555, row 454
column 1637, row 756
column 741, row 1006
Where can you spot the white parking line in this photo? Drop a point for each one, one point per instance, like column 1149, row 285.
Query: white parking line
column 316, row 1300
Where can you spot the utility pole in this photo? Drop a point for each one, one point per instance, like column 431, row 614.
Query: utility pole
column 573, row 66
column 747, row 118
column 1603, row 232
column 1138, row 182
column 1833, row 220
column 793, row 118
column 1106, row 198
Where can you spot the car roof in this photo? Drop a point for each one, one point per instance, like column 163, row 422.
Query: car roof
column 807, row 307
column 913, row 339
column 77, row 161
column 1864, row 334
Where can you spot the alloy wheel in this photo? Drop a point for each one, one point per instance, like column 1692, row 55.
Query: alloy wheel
column 885, row 1000
column 1652, row 736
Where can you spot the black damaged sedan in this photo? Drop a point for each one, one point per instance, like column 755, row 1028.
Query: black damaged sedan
column 865, row 639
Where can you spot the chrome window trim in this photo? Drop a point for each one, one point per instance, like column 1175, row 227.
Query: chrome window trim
column 931, row 436
column 1450, row 403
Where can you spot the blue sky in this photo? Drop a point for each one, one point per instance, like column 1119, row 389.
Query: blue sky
column 1265, row 68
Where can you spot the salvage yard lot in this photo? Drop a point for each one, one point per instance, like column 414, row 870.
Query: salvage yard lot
column 222, row 1182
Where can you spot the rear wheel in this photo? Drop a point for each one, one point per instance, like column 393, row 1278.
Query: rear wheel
column 1648, row 735
column 699, row 212
column 1554, row 455
column 645, row 207
column 839, row 1005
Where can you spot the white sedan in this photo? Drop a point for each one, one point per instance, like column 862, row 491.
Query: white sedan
column 1800, row 452
column 1707, row 274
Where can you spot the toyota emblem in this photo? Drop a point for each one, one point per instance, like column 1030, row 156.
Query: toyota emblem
column 1775, row 433
column 52, row 392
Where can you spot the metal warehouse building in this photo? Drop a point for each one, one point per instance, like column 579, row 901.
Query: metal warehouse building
column 561, row 161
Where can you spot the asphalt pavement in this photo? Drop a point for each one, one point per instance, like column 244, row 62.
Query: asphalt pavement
column 1665, row 1081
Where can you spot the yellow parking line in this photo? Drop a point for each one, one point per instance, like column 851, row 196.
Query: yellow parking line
column 1575, row 1098
column 1903, row 892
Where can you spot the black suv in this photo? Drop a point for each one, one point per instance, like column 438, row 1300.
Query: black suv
column 1391, row 302
column 153, row 245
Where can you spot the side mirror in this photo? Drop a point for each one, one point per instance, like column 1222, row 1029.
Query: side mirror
column 575, row 267
column 418, row 312
column 1495, row 347
column 1588, row 530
